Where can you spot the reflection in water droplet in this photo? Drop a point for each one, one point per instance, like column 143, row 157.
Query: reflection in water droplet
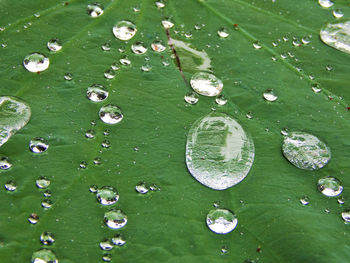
column 158, row 46
column 224, row 250
column 5, row 163
column 106, row 46
column 146, row 67
column 93, row 188
column 95, row 10
column 54, row 44
column 38, row 145
column 106, row 144
column 118, row 240
column 305, row 151
column 111, row 114
column 206, row 84
column 341, row 200
column 223, row 32
column 36, row 62
column 167, row 23
column 325, row 3
column 125, row 61
column 337, row 35
column 42, row 182
column 338, row 13
column 329, row 186
column 106, row 245
column 316, row 88
column 304, row 200
column 270, row 95
column 44, row 256
column 159, row 4
column 107, row 257
column 97, row 161
column 68, row 76
column 10, row 186
column 47, row 238
column 138, row 48
column 219, row 153
column 141, row 188
column 109, row 74
column 46, row 203
column 346, row 215
column 191, row 97
column 124, row 30
column 221, row 100
column 107, row 195
column 83, row 164
column 257, row 45
column 115, row 219
column 97, row 93
column 221, row 221
column 285, row 131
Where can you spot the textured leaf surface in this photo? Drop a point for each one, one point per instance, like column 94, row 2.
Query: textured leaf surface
column 169, row 225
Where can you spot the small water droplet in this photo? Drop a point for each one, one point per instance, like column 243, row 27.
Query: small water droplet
column 341, row 200
column 160, row 4
column 296, row 42
column 47, row 193
column 106, row 132
column 110, row 114
column 191, row 97
column 118, row 240
column 346, row 215
column 46, row 203
column 107, row 257
column 38, row 145
column 316, row 88
column 206, row 84
column 47, row 238
column 97, row 93
column 124, row 30
column 257, row 45
column 97, row 161
column 216, row 204
column 285, row 131
column 154, row 187
column 136, row 9
column 93, row 123
column 95, row 10
column 329, row 67
column 5, row 163
column 54, row 44
column 223, row 32
column 337, row 35
column 106, row 46
column 83, row 164
column 115, row 219
column 284, row 55
column 304, row 200
column 93, row 188
column 167, row 23
column 338, row 13
column 42, row 182
column 158, row 46
column 90, row 134
column 36, row 62
column 329, row 186
column 305, row 151
column 270, row 95
column 249, row 115
column 115, row 66
column 141, row 188
column 224, row 250
column 10, row 186
column 109, row 74
column 44, row 256
column 106, row 244
column 306, row 40
column 138, row 48
column 221, row 100
column 125, row 61
column 106, row 144
column 68, row 76
column 221, row 221
column 146, row 67
column 33, row 218
column 325, row 3
column 107, row 195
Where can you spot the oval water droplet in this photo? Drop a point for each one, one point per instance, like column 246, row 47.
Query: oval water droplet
column 118, row 240
column 141, row 188
column 10, row 186
column 325, row 3
column 329, row 186
column 167, row 23
column 223, row 32
column 270, row 95
column 107, row 257
column 206, row 84
column 221, row 221
column 33, row 218
column 191, row 97
column 42, row 182
column 146, row 67
column 90, row 134
column 346, row 215
column 304, row 200
column 159, row 4
column 46, row 203
column 97, row 93
column 38, row 145
column 106, row 46
column 54, row 44
column 115, row 219
column 221, row 100
column 106, row 244
column 36, row 62
column 138, row 48
column 109, row 74
column 219, row 153
column 5, row 163
column 47, row 238
column 124, row 30
column 125, row 61
column 305, row 151
column 337, row 35
column 68, row 76
column 257, row 45
column 94, row 10
column 107, row 195
column 111, row 114
column 44, row 256
column 158, row 46
column 338, row 13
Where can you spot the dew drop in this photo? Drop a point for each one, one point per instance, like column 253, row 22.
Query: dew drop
column 167, row 23
column 36, row 62
column 221, row 100
column 305, row 151
column 54, row 45
column 337, row 35
column 285, row 131
column 95, row 10
column 257, row 45
column 5, row 164
column 154, row 187
column 341, row 200
column 68, row 76
column 118, row 240
column 338, row 13
column 329, row 186
column 42, row 182
column 306, row 40
column 106, row 245
column 325, row 3
column 46, row 203
column 206, row 84
column 270, row 95
column 109, row 74
column 221, row 221
column 124, row 30
column 191, row 97
column 223, row 32
column 107, row 257
column 146, row 67
column 316, row 88
column 110, row 114
column 83, row 164
column 219, row 153
column 38, row 145
column 90, row 134
column 97, row 93
column 97, row 161
column 93, row 188
column 125, row 61
column 44, row 256
column 329, row 67
column 47, row 238
column 115, row 66
column 158, row 46
column 115, row 219
column 47, row 193
column 106, row 46
column 106, row 144
column 33, row 218
column 141, row 188
column 249, row 115
column 296, row 42
column 159, row 4
column 138, row 48
column 10, row 186
column 107, row 195
column 106, row 132
column 304, row 200
column 346, row 215
column 224, row 250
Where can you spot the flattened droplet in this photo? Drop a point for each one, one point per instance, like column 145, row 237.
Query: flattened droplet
column 206, row 84
column 305, row 151
column 337, row 35
column 219, row 153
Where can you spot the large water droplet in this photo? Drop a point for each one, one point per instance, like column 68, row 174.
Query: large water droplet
column 44, row 256
column 124, row 30
column 115, row 219
column 329, row 186
column 221, row 221
column 38, row 145
column 95, row 10
column 54, row 44
column 219, row 153
column 206, row 84
column 305, row 151
column 97, row 93
column 325, row 3
column 337, row 35
column 5, row 163
column 107, row 195
column 138, row 48
column 36, row 62
column 14, row 115
column 111, row 114
column 47, row 238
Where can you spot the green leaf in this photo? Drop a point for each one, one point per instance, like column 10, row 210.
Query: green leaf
column 169, row 225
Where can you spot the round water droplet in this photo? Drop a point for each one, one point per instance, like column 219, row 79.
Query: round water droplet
column 93, row 188
column 46, row 203
column 167, row 23
column 304, row 200
column 159, row 4
column 329, row 67
column 44, row 256
column 94, row 10
column 146, row 67
column 107, row 257
column 338, row 13
column 141, row 188
column 68, row 76
column 10, row 186
column 191, row 97
column 329, row 186
column 5, row 163
column 257, row 45
column 219, row 153
column 106, row 245
column 124, row 30
column 36, row 62
column 109, row 74
column 97, row 161
column 106, row 144
column 306, row 40
column 90, row 134
column 47, row 193
column 285, row 131
column 316, row 88
column 221, row 221
column 97, row 93
column 346, row 215
column 270, row 95
column 158, row 46
column 305, row 151
column 115, row 219
column 111, row 114
column 221, row 100
column 118, row 240
column 106, row 46
column 325, row 3
column 223, row 32
column 38, row 145
column 42, row 182
column 83, row 164
column 138, row 48
column 106, row 132
column 47, row 238
column 206, row 84
column 33, row 218
column 107, row 195
column 337, row 35
column 224, row 250
column 125, row 61
column 54, row 44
